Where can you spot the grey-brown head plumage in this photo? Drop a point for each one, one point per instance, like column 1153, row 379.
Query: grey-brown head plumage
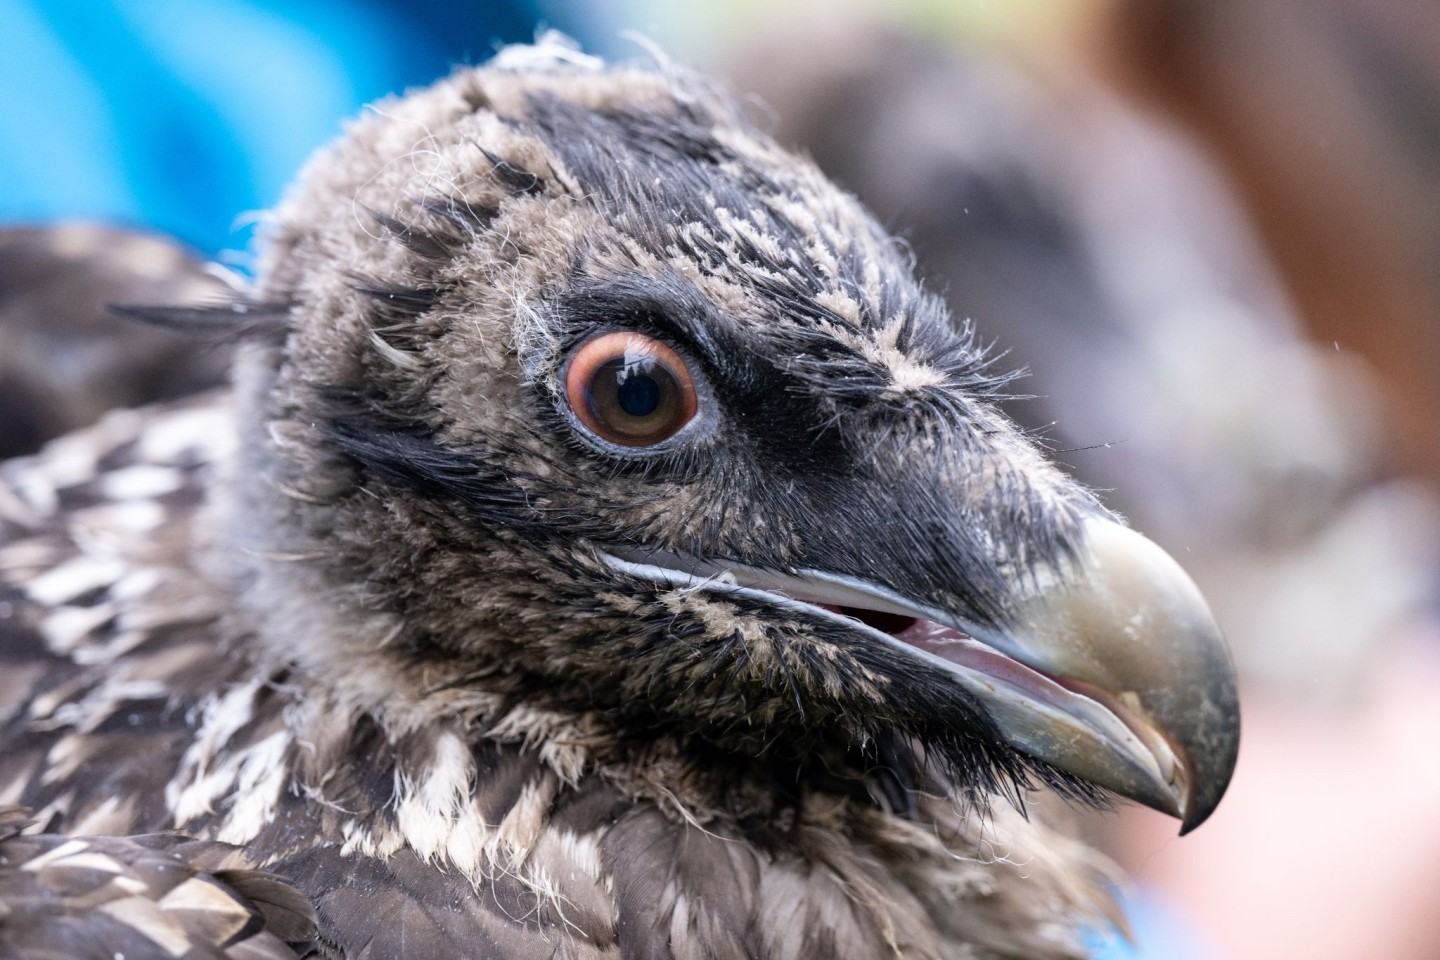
column 542, row 210
column 589, row 674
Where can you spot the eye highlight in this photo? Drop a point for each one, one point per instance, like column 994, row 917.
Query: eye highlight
column 629, row 389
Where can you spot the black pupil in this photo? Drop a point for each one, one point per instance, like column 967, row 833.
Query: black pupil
column 638, row 394
column 636, row 399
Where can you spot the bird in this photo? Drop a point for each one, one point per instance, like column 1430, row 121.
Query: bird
column 607, row 549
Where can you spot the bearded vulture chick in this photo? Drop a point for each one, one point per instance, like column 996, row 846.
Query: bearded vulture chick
column 607, row 550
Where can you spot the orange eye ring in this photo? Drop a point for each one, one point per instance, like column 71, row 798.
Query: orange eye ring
column 629, row 389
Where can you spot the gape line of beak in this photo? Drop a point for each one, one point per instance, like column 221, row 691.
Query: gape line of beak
column 1113, row 671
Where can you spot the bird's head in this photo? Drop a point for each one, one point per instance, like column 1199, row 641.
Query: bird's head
column 598, row 400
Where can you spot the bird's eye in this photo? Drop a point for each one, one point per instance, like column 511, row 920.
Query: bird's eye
column 630, row 389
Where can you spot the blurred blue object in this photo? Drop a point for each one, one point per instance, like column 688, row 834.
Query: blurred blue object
column 1160, row 934
column 185, row 115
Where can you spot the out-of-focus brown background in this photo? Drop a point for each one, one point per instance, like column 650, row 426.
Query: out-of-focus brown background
column 1210, row 229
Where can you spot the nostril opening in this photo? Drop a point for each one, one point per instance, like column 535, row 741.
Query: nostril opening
column 891, row 623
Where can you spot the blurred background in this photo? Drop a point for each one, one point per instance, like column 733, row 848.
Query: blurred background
column 1210, row 229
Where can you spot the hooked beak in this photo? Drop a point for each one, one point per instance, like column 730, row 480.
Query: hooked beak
column 1127, row 628
column 1111, row 669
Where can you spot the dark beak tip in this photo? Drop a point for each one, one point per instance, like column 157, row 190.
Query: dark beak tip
column 1213, row 777
column 1197, row 816
column 1201, row 812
